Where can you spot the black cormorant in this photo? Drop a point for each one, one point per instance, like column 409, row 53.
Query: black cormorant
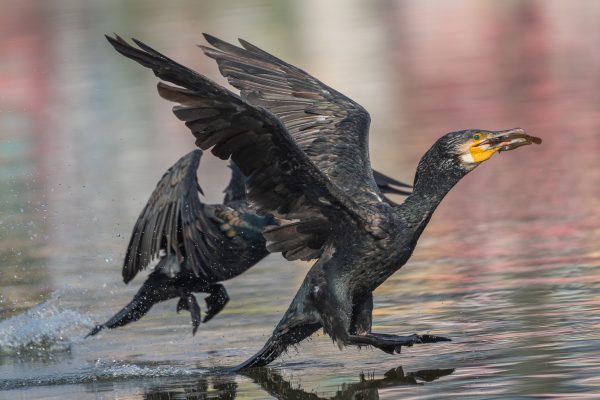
column 198, row 245
column 304, row 148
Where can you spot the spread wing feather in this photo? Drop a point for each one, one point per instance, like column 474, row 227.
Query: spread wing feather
column 328, row 126
column 390, row 185
column 281, row 178
column 174, row 221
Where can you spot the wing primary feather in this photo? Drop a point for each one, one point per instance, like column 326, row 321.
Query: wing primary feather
column 314, row 187
column 160, row 221
column 269, row 82
column 383, row 180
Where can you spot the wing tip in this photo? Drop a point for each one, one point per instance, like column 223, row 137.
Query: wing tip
column 139, row 43
column 210, row 38
column 116, row 41
column 246, row 45
column 210, row 52
column 127, row 273
column 216, row 42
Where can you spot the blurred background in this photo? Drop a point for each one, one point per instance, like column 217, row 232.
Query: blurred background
column 509, row 266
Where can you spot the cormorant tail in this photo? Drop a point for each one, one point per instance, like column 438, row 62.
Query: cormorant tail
column 276, row 345
column 154, row 290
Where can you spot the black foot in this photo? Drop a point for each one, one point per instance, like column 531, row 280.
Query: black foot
column 392, row 344
column 215, row 302
column 188, row 302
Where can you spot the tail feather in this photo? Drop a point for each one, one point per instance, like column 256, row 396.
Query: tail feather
column 276, row 345
column 154, row 290
column 270, row 351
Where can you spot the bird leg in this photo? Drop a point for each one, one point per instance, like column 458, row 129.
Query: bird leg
column 216, row 301
column 187, row 301
column 362, row 315
column 360, row 330
column 280, row 340
column 352, row 327
column 393, row 343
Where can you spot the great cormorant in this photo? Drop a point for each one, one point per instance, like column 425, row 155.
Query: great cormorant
column 304, row 148
column 198, row 245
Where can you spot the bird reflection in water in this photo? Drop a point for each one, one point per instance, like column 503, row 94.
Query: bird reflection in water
column 274, row 384
column 205, row 387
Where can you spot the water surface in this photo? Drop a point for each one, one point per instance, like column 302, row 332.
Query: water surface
column 509, row 266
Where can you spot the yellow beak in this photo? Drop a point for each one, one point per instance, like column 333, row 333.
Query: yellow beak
column 501, row 141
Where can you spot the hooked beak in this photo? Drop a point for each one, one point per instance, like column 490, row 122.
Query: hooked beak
column 508, row 140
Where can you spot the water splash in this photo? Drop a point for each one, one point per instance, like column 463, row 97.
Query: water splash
column 47, row 327
column 104, row 370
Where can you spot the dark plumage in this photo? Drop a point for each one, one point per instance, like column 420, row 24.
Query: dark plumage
column 199, row 245
column 303, row 147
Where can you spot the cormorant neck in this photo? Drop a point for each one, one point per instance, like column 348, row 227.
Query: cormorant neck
column 434, row 178
column 433, row 185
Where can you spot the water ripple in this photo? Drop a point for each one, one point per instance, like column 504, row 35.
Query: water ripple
column 104, row 371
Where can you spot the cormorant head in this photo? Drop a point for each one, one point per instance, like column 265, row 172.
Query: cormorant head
column 457, row 153
column 475, row 146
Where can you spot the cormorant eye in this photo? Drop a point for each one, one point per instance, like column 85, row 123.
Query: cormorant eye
column 476, row 136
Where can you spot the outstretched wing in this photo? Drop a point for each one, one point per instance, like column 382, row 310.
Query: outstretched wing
column 390, row 185
column 161, row 226
column 281, row 178
column 175, row 221
column 328, row 126
column 214, row 242
column 236, row 189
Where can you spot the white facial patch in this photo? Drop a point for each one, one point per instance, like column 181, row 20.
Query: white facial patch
column 467, row 158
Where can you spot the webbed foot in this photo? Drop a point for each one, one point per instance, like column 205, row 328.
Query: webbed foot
column 215, row 302
column 392, row 344
column 188, row 302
